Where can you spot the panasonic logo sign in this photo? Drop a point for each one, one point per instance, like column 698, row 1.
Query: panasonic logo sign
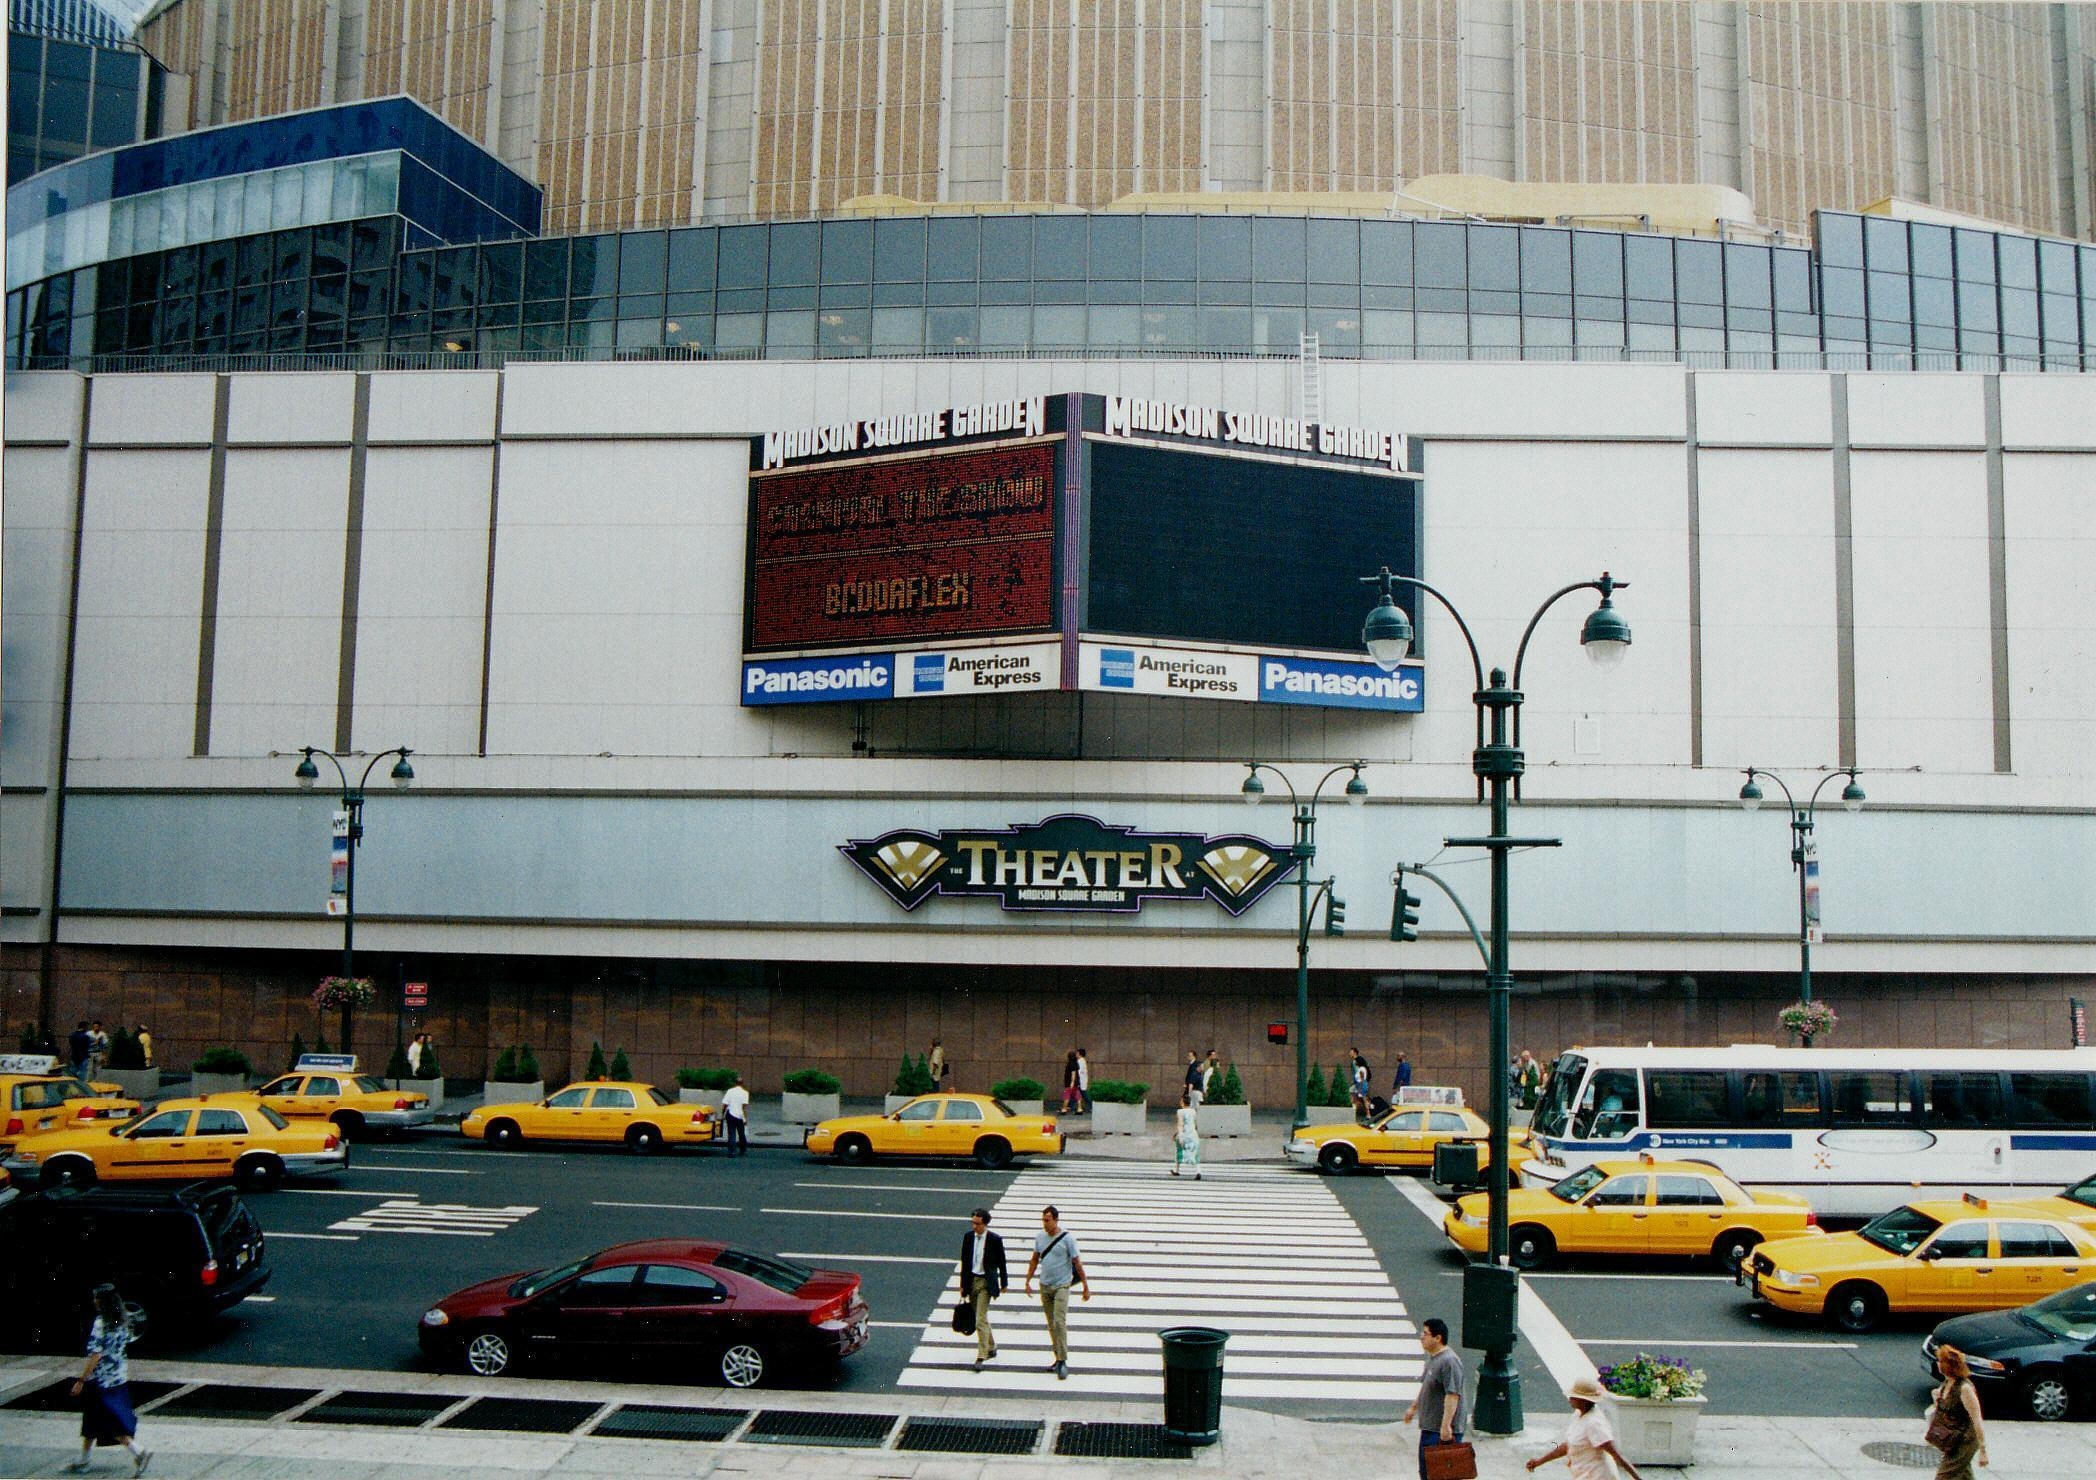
column 1344, row 685
column 814, row 680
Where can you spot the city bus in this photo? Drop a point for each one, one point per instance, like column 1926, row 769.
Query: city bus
column 1854, row 1130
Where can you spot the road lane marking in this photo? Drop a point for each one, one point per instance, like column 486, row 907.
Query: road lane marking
column 261, row 1300
column 386, row 1171
column 869, row 1258
column 1668, row 1343
column 1672, row 1279
column 453, row 1219
column 1120, row 1384
column 343, row 1192
column 892, row 1187
column 853, row 1213
column 671, row 1207
column 331, row 1238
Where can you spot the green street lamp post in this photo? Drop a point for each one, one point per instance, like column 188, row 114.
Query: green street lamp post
column 1303, row 850
column 1497, row 762
column 353, row 805
column 1801, row 851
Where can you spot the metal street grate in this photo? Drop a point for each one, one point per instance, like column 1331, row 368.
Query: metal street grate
column 1906, row 1456
column 224, row 1400
column 971, row 1435
column 387, row 1410
column 58, row 1397
column 1118, row 1441
column 837, row 1430
column 657, row 1421
column 523, row 1415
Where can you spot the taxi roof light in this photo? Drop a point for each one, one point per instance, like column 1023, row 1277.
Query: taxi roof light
column 1975, row 1200
column 1645, row 1157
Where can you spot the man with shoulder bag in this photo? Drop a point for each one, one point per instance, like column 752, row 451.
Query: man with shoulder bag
column 983, row 1278
column 1443, row 1452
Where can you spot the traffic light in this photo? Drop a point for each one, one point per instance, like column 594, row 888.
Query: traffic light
column 1335, row 915
column 1404, row 914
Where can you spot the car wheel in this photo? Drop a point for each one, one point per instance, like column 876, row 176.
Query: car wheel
column 1732, row 1248
column 349, row 1124
column 488, row 1354
column 1338, row 1157
column 644, row 1139
column 742, row 1366
column 993, row 1153
column 1530, row 1247
column 856, row 1149
column 67, row 1171
column 2047, row 1396
column 503, row 1133
column 258, row 1173
column 1857, row 1306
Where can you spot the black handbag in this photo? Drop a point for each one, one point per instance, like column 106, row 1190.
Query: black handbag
column 964, row 1318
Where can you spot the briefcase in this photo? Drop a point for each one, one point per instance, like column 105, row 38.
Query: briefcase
column 1445, row 1461
column 964, row 1322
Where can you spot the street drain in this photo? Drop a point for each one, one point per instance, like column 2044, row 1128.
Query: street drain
column 1118, row 1441
column 224, row 1400
column 971, row 1435
column 58, row 1397
column 848, row 1430
column 1906, row 1456
column 659, row 1421
column 522, row 1415
column 385, row 1410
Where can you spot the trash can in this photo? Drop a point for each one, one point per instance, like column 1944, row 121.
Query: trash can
column 1193, row 1383
column 1456, row 1163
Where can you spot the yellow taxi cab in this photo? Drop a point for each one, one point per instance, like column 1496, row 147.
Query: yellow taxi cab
column 1404, row 1136
column 1939, row 1257
column 1634, row 1207
column 187, row 1140
column 939, row 1125
column 35, row 1096
column 2076, row 1204
column 328, row 1087
column 639, row 1115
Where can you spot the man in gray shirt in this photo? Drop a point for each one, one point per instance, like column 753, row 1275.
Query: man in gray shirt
column 1439, row 1406
column 1056, row 1260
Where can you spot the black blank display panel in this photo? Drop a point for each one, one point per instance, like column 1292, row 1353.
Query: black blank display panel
column 1186, row 545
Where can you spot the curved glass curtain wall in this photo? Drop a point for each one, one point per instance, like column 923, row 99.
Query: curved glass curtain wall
column 1878, row 293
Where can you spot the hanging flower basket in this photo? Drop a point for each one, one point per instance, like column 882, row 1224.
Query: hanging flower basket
column 337, row 992
column 1808, row 1019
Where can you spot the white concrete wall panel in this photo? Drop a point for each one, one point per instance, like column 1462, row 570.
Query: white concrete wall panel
column 422, row 589
column 302, row 408
column 134, row 410
column 36, row 560
column 2049, row 503
column 1924, row 656
column 433, row 406
column 2048, row 411
column 277, row 662
column 1771, row 694
column 1914, row 410
column 1757, row 408
column 141, row 595
column 43, row 406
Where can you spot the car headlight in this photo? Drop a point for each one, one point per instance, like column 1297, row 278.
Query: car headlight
column 435, row 1318
column 27, row 1158
column 1983, row 1364
column 1470, row 1220
column 1802, row 1281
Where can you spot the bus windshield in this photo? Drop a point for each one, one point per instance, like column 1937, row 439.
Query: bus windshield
column 1900, row 1231
column 1555, row 1110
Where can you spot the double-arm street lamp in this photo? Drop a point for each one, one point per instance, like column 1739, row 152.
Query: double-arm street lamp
column 1304, row 851
column 1802, row 853
column 353, row 807
column 1497, row 762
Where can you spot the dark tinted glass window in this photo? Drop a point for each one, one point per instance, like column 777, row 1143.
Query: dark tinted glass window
column 1793, row 281
column 690, row 265
column 1871, row 1098
column 1494, row 255
column 1747, row 276
column 1278, row 247
column 1840, row 239
column 1699, row 272
column 1117, row 248
column 953, row 249
column 847, row 251
column 2019, row 262
column 1967, row 1240
column 546, row 269
column 2033, row 1241
column 1686, row 1098
column 115, row 119
column 1226, row 249
column 1688, row 1192
column 1546, row 261
column 1971, row 1099
column 501, row 272
column 612, row 1286
column 1885, row 244
column 220, row 1123
column 1386, row 252
column 2049, row 1099
column 1335, row 252
column 1930, row 250
column 672, row 1284
column 1059, row 248
column 1648, row 267
column 65, row 109
column 1168, row 248
column 643, row 256
column 1437, row 256
column 1975, row 251
column 2056, row 267
column 742, row 250
column 1007, row 248
column 595, row 267
column 898, row 251
column 795, row 248
column 1597, row 263
column 1620, row 1192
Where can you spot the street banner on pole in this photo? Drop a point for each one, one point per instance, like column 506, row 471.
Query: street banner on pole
column 1813, row 933
column 415, row 994
column 338, row 866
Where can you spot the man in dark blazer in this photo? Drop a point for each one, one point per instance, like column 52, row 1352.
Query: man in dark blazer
column 983, row 1278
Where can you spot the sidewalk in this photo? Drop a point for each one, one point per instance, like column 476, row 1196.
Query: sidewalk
column 320, row 1436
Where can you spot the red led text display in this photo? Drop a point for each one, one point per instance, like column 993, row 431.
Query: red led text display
column 934, row 547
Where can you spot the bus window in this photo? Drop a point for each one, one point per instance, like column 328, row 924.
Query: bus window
column 1685, row 1099
column 1966, row 1100
column 1609, row 1108
column 2049, row 1099
column 1877, row 1097
column 1554, row 1114
column 1772, row 1097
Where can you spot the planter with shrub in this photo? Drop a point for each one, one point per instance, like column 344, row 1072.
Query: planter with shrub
column 811, row 1096
column 703, row 1086
column 1224, row 1112
column 219, row 1071
column 1317, row 1096
column 515, row 1079
column 126, row 1065
column 1118, row 1107
column 429, row 1082
column 1657, row 1401
column 1021, row 1096
column 912, row 1080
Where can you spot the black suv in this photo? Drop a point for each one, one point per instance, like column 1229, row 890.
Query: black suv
column 184, row 1255
column 2044, row 1354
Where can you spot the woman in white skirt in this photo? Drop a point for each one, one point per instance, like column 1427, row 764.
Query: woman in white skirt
column 1186, row 1138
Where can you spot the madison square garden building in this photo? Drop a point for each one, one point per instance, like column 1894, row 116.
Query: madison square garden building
column 833, row 502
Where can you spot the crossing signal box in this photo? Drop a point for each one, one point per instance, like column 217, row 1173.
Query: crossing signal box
column 1335, row 915
column 1404, row 915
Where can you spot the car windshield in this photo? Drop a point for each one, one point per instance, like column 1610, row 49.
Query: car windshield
column 2071, row 1313
column 1555, row 1111
column 2083, row 1192
column 546, row 1279
column 1003, row 1109
column 1579, row 1184
column 777, row 1273
column 368, row 1085
column 1900, row 1231
column 657, row 1096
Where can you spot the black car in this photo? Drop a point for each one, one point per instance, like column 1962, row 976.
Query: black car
column 183, row 1255
column 2044, row 1354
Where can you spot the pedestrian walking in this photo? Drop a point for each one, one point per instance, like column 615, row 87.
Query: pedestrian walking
column 1528, row 1080
column 79, row 1044
column 1191, row 1093
column 1439, row 1407
column 1589, row 1448
column 415, row 1057
column 1358, row 1090
column 1211, row 1070
column 735, row 1111
column 984, row 1277
column 1955, row 1426
column 1186, row 1137
column 104, row 1386
column 1084, row 1081
column 1056, row 1260
column 98, row 1050
column 1071, row 1096
column 1401, row 1080
column 935, row 1063
column 145, row 1045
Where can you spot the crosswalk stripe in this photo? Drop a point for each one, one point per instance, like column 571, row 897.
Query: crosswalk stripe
column 440, row 1220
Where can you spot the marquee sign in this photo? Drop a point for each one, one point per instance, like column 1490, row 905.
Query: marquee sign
column 1070, row 862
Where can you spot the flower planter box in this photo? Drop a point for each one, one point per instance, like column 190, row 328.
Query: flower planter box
column 892, row 1103
column 434, row 1088
column 497, row 1092
column 139, row 1084
column 1224, row 1120
column 216, row 1084
column 1118, row 1120
column 1328, row 1115
column 1657, row 1431
column 808, row 1109
column 710, row 1098
column 1027, row 1107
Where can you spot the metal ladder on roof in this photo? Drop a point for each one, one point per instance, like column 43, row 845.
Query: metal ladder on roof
column 1313, row 373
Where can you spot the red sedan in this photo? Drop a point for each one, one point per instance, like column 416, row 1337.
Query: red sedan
column 665, row 1301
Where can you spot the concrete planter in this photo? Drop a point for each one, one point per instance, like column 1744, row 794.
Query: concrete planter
column 216, row 1084
column 1657, row 1431
column 710, row 1098
column 1328, row 1115
column 434, row 1088
column 808, row 1109
column 494, row 1092
column 139, row 1084
column 1118, row 1120
column 1028, row 1107
column 1224, row 1120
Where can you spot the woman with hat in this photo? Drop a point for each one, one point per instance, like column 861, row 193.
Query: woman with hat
column 103, row 1385
column 1589, row 1449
